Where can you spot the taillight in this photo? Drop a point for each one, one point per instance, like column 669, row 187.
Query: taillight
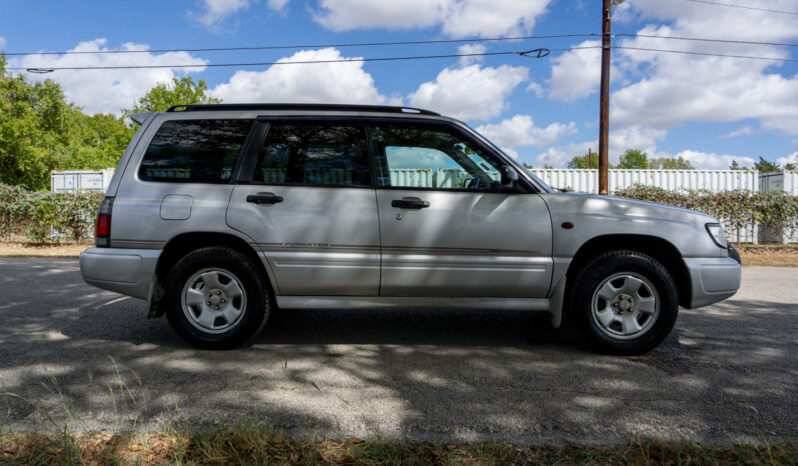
column 102, row 232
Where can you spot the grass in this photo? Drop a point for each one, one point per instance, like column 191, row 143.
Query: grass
column 769, row 255
column 251, row 444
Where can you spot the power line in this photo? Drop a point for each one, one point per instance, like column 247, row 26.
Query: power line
column 684, row 52
column 537, row 53
column 745, row 7
column 309, row 46
column 699, row 39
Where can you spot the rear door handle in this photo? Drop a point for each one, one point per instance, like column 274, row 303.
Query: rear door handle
column 410, row 203
column 264, row 198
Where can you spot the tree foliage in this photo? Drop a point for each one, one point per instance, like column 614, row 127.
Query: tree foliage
column 181, row 91
column 40, row 131
column 669, row 163
column 633, row 159
column 584, row 161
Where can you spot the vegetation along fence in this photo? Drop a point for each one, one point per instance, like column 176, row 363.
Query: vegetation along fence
column 748, row 212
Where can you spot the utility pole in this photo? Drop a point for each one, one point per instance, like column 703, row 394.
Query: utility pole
column 604, row 117
column 589, row 158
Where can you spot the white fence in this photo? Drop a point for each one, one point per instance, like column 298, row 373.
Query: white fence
column 77, row 180
column 586, row 181
column 576, row 180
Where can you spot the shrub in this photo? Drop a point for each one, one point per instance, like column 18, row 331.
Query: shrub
column 737, row 209
column 37, row 214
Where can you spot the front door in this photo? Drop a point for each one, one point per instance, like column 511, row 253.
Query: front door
column 309, row 205
column 448, row 226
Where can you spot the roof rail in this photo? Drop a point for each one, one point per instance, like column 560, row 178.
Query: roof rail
column 340, row 107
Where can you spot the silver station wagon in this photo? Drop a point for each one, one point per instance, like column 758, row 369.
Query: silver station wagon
column 219, row 214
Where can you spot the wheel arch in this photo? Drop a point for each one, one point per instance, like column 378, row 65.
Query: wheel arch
column 662, row 250
column 180, row 245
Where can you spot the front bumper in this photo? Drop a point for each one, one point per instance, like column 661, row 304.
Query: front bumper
column 126, row 271
column 712, row 279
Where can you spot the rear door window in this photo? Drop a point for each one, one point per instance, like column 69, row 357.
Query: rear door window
column 194, row 151
column 314, row 153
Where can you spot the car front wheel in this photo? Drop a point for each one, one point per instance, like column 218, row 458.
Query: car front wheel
column 624, row 302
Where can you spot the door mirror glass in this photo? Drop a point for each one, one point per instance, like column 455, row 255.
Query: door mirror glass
column 509, row 176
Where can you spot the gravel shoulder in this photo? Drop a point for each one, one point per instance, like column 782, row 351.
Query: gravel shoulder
column 90, row 359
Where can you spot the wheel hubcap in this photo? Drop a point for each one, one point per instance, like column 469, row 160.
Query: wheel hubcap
column 625, row 305
column 213, row 300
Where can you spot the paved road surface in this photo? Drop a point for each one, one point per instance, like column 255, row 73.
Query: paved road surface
column 728, row 372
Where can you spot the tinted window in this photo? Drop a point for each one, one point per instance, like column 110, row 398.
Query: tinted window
column 431, row 157
column 314, row 153
column 194, row 151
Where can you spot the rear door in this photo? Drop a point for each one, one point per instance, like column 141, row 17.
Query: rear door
column 308, row 202
column 448, row 226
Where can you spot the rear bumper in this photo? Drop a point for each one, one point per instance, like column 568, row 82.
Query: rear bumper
column 713, row 279
column 126, row 271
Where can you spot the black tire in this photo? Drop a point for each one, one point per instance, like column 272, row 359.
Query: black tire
column 253, row 312
column 629, row 264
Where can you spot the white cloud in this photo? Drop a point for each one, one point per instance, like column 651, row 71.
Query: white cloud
column 792, row 158
column 108, row 91
column 216, row 11
column 466, row 49
column 458, row 18
column 312, row 83
column 2, row 42
column 744, row 131
column 631, row 137
column 712, row 161
column 469, row 93
column 520, row 131
column 676, row 88
column 577, row 73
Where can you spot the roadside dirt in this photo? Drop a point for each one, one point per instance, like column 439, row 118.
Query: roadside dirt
column 42, row 250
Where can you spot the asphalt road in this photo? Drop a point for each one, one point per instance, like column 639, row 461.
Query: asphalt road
column 728, row 371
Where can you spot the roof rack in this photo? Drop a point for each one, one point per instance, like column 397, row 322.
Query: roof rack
column 339, row 107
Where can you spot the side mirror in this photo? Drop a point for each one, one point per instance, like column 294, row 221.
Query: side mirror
column 509, row 176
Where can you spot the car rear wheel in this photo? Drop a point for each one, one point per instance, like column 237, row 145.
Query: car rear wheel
column 218, row 298
column 624, row 302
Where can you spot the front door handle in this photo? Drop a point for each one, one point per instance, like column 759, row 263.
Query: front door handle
column 410, row 203
column 264, row 198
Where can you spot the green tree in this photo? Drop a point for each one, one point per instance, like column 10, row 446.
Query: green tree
column 181, row 91
column 528, row 166
column 584, row 161
column 634, row 159
column 766, row 167
column 40, row 131
column 669, row 163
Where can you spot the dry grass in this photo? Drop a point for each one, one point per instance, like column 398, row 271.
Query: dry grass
column 769, row 255
column 63, row 250
column 254, row 445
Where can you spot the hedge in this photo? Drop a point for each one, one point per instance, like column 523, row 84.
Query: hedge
column 737, row 209
column 36, row 214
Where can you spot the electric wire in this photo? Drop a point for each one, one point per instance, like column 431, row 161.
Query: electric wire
column 308, row 46
column 49, row 69
column 745, row 7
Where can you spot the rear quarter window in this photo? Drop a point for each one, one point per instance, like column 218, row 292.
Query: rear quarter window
column 194, row 151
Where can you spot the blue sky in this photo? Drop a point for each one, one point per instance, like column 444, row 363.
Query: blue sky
column 710, row 110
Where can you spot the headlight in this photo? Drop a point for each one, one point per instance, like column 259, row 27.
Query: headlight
column 715, row 231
